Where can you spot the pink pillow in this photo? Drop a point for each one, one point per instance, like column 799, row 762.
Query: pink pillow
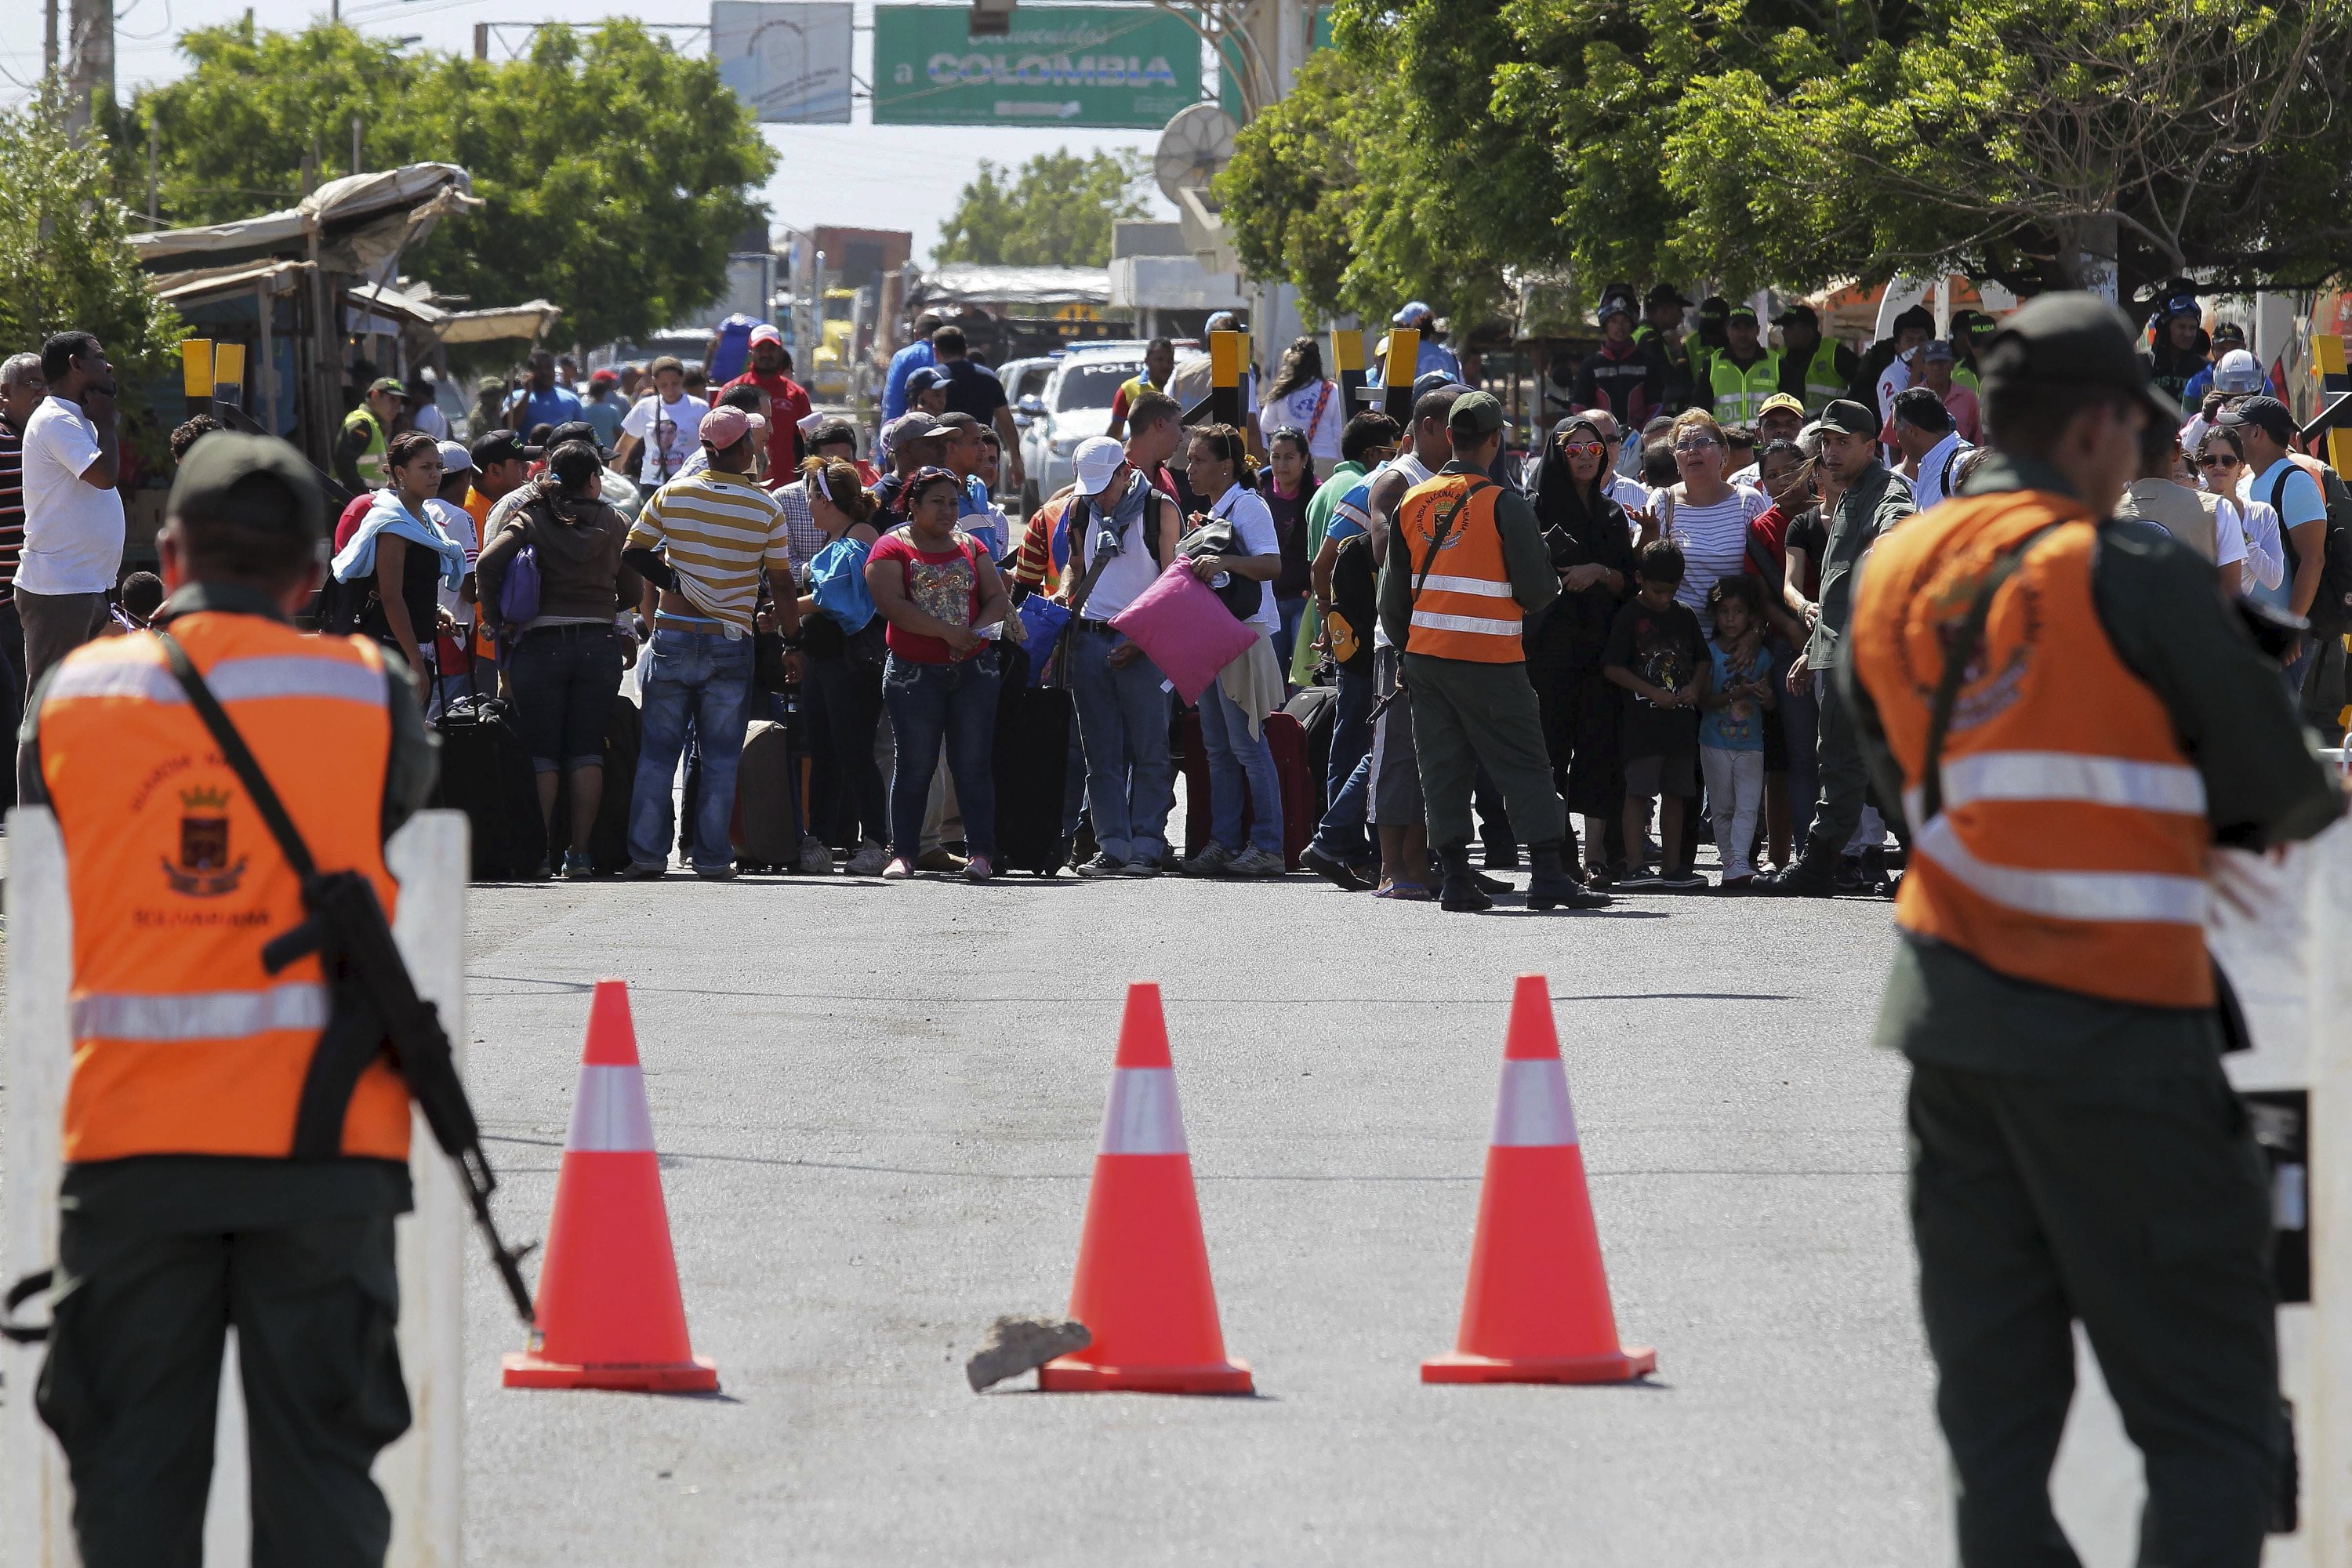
column 1184, row 628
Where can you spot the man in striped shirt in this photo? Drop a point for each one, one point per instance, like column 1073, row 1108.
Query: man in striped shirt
column 22, row 387
column 703, row 540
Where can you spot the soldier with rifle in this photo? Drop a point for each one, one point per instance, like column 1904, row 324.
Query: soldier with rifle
column 245, row 1040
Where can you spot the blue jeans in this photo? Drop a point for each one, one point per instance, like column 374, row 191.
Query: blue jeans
column 1240, row 772
column 1342, row 832
column 705, row 681
column 1123, row 725
column 1286, row 641
column 931, row 704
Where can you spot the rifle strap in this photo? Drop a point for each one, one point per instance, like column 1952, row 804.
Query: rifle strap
column 22, row 1291
column 239, row 757
column 1957, row 657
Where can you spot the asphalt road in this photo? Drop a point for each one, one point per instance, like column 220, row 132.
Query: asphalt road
column 879, row 1107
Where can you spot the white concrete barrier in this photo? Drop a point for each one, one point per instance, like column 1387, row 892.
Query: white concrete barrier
column 423, row 1474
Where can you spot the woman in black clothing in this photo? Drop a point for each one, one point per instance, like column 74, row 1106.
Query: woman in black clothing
column 1293, row 481
column 1592, row 546
column 841, row 640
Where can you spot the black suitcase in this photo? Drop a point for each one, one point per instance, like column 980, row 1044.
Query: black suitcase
column 1030, row 768
column 608, row 843
column 1317, row 709
column 486, row 772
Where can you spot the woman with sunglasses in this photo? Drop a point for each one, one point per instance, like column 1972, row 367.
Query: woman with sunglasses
column 2261, row 575
column 1710, row 515
column 937, row 589
column 1591, row 548
column 1291, row 471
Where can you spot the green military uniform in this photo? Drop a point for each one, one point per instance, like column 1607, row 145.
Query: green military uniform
column 2077, row 1158
column 1467, row 714
column 158, row 1255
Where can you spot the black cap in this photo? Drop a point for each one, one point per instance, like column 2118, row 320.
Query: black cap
column 576, row 430
column 225, row 457
column 1714, row 308
column 1664, row 294
column 500, row 446
column 2265, row 413
column 1852, row 417
column 1743, row 312
column 2228, row 333
column 2076, row 339
column 1804, row 313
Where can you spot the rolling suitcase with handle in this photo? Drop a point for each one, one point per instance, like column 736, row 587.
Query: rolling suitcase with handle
column 1288, row 741
column 486, row 772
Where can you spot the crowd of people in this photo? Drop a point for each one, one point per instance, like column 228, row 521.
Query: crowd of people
column 1621, row 652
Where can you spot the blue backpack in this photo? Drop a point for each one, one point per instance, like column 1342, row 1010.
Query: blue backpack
column 734, row 351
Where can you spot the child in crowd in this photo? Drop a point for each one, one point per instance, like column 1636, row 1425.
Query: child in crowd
column 1657, row 653
column 136, row 601
column 1733, row 696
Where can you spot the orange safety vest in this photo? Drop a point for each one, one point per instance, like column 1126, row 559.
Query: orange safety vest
column 2069, row 847
column 1462, row 607
column 183, row 1043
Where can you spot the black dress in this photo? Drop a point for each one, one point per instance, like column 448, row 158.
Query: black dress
column 1582, row 711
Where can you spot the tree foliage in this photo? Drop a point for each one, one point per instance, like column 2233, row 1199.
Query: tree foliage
column 62, row 250
column 618, row 173
column 1795, row 141
column 1055, row 211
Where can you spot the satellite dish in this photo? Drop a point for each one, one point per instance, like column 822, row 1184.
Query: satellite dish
column 1197, row 144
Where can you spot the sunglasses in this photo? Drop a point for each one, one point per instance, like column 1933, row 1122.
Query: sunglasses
column 2223, row 460
column 1582, row 449
column 1696, row 443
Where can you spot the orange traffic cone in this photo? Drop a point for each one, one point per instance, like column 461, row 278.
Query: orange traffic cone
column 608, row 1309
column 1537, row 1308
column 1142, row 1287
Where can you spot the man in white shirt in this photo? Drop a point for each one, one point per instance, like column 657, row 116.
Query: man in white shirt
column 664, row 429
column 1931, row 447
column 73, row 514
column 2263, row 427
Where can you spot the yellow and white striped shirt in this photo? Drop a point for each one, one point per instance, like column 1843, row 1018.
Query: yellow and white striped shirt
column 716, row 529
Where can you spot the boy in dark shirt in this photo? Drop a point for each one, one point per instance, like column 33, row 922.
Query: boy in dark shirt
column 1658, row 652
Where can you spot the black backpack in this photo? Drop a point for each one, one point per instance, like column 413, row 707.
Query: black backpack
column 1242, row 595
column 1355, row 601
column 2331, row 606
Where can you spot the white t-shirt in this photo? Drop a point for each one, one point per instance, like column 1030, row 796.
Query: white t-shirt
column 458, row 524
column 1247, row 509
column 73, row 530
column 680, row 421
column 1128, row 573
column 432, row 421
column 1714, row 541
column 1297, row 410
column 2265, row 553
column 1928, row 487
column 2228, row 532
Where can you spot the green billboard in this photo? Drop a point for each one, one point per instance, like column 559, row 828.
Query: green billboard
column 1115, row 67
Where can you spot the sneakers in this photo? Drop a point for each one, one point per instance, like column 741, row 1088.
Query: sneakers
column 578, row 867
column 977, row 869
column 1685, row 881
column 868, row 860
column 1640, row 876
column 817, row 857
column 1736, row 884
column 715, row 873
column 1331, row 869
column 1256, row 862
column 1209, row 860
column 899, row 869
column 638, row 871
column 1104, row 864
column 938, row 858
column 1142, row 866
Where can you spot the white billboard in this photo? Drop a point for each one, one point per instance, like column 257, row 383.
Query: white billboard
column 788, row 60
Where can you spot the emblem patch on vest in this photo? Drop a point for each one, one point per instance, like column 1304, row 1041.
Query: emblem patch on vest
column 204, row 870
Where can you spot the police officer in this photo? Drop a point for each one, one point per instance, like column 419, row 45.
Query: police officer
column 185, row 1209
column 360, row 450
column 2074, row 720
column 1465, row 563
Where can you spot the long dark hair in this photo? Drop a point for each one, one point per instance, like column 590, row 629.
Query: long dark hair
column 1296, row 437
column 1302, row 365
column 1227, row 444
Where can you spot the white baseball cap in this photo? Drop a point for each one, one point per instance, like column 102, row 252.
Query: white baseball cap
column 1097, row 459
column 2239, row 372
column 454, row 459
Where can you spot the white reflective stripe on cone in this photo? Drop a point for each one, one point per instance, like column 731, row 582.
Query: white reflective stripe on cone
column 232, row 680
column 200, row 1014
column 2169, row 787
column 610, row 1116
column 2067, row 895
column 1437, row 621
column 1482, row 588
column 1143, row 1117
column 1534, row 1111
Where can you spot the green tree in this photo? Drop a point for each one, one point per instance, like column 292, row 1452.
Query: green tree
column 617, row 173
column 1055, row 211
column 62, row 250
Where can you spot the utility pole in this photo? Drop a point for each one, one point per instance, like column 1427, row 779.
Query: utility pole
column 152, row 215
column 89, row 64
column 481, row 40
column 355, row 144
column 50, row 38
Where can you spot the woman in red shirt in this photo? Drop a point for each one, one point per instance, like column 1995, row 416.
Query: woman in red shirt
column 940, row 592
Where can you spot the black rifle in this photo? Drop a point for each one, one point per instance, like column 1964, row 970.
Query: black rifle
column 376, row 1007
